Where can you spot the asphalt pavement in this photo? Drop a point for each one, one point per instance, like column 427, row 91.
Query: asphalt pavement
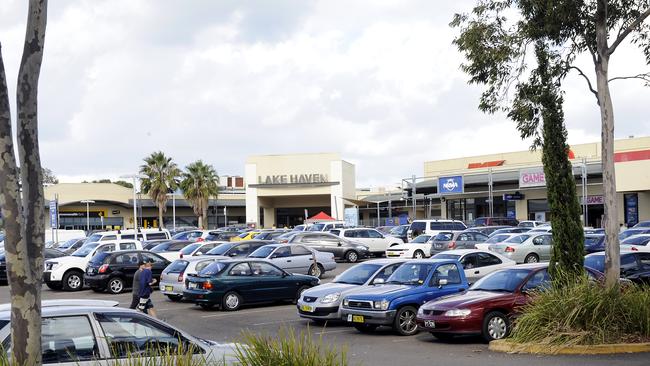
column 381, row 348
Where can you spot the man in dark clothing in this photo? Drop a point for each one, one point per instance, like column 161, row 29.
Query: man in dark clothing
column 135, row 294
column 146, row 281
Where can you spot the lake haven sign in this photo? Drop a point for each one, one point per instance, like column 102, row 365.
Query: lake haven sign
column 292, row 179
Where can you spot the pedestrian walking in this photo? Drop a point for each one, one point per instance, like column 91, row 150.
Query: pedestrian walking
column 135, row 293
column 146, row 281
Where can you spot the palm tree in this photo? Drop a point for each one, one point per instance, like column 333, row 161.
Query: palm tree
column 161, row 178
column 200, row 182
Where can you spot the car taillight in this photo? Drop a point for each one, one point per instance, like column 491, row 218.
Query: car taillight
column 200, row 239
column 452, row 245
column 103, row 268
column 510, row 250
column 207, row 286
column 180, row 277
column 634, row 249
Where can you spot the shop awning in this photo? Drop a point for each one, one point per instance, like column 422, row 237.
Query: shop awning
column 321, row 216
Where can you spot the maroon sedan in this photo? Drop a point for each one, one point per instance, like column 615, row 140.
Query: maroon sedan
column 488, row 306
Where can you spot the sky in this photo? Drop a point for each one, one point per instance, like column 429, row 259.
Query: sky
column 377, row 81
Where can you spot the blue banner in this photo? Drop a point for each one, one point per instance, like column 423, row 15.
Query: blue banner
column 53, row 215
column 453, row 184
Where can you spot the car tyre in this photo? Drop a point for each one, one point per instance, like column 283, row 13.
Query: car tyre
column 52, row 286
column 73, row 281
column 366, row 328
column 418, row 254
column 175, row 298
column 404, row 323
column 351, row 256
column 445, row 337
column 496, row 325
column 301, row 289
column 316, row 270
column 231, row 301
column 531, row 258
column 115, row 285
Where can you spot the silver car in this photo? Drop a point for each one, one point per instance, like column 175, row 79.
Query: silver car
column 91, row 332
column 450, row 240
column 172, row 279
column 531, row 247
column 296, row 258
column 321, row 303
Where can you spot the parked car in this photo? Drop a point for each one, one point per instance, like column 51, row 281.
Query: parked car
column 526, row 248
column 488, row 230
column 170, row 250
column 199, row 248
column 342, row 248
column 71, row 245
column 499, row 238
column 433, row 227
column 322, row 302
column 80, row 332
column 286, row 237
column 417, row 248
column 384, row 229
column 589, row 230
column 492, row 221
column 531, row 223
column 248, row 235
column 113, row 272
column 130, row 234
column 172, row 279
column 48, row 253
column 270, row 235
column 509, row 230
column 400, row 232
column 150, row 244
column 642, row 224
column 456, row 240
column 635, row 265
column 488, row 307
column 218, row 235
column 396, row 303
column 636, row 243
column 67, row 272
column 477, row 263
column 233, row 283
column 296, row 258
column 594, row 243
column 237, row 249
column 376, row 242
column 630, row 232
column 326, row 226
column 189, row 235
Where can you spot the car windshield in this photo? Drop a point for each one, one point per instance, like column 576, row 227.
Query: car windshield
column 85, row 250
column 212, row 269
column 517, row 239
column 93, row 238
column 99, row 257
column 411, row 274
column 190, row 249
column 359, row 274
column 596, row 262
column 444, row 237
column 262, row 252
column 67, row 244
column 399, row 230
column 421, row 239
column 161, row 247
column 446, row 256
column 177, row 266
column 317, row 227
column 636, row 240
column 498, row 238
column 593, row 240
column 502, row 281
column 220, row 249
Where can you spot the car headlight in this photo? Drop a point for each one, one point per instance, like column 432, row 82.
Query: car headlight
column 331, row 298
column 458, row 312
column 381, row 305
column 50, row 266
column 346, row 302
column 420, row 311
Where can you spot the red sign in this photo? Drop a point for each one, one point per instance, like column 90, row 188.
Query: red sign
column 487, row 164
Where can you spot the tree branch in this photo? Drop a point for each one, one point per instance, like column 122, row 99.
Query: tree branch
column 644, row 76
column 622, row 35
column 591, row 88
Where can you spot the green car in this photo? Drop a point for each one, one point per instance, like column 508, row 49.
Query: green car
column 232, row 283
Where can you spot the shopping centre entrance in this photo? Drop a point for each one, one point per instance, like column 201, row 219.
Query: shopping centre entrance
column 291, row 217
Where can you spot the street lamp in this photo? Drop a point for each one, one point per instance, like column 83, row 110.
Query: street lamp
column 87, row 202
column 173, row 195
column 135, row 198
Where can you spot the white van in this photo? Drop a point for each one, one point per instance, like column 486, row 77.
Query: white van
column 142, row 235
column 326, row 226
column 433, row 227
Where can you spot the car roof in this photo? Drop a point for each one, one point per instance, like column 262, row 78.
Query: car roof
column 437, row 220
column 385, row 261
column 531, row 266
column 431, row 261
column 463, row 251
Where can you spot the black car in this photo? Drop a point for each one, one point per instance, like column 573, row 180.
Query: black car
column 48, row 253
column 170, row 246
column 635, row 266
column 113, row 271
column 150, row 244
column 237, row 249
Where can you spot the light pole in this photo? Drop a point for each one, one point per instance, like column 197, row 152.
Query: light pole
column 135, row 198
column 173, row 195
column 88, row 202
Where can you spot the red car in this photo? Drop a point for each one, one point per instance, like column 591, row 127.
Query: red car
column 488, row 307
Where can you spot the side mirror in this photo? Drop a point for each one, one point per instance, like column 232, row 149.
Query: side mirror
column 378, row 281
column 273, row 256
column 284, row 274
column 233, row 254
column 442, row 282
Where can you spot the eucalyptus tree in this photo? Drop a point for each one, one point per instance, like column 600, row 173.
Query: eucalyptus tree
column 162, row 176
column 200, row 182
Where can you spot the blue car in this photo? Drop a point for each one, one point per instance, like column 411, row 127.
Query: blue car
column 594, row 243
column 396, row 302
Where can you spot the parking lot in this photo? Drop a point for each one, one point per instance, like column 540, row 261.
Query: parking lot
column 380, row 348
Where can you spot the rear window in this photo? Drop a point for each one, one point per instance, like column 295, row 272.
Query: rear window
column 99, row 258
column 154, row 236
column 190, row 249
column 212, row 269
column 418, row 226
column 437, row 226
column 444, row 237
column 160, row 248
column 480, row 222
column 177, row 266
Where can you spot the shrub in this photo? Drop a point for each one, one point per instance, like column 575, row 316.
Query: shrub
column 585, row 313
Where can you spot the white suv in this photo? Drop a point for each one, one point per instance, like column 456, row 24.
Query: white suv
column 67, row 273
column 376, row 242
column 130, row 234
column 433, row 227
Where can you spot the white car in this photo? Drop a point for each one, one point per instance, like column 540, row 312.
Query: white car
column 67, row 273
column 477, row 263
column 433, row 227
column 636, row 243
column 499, row 238
column 418, row 248
column 198, row 248
column 130, row 234
column 376, row 242
column 326, row 226
column 531, row 223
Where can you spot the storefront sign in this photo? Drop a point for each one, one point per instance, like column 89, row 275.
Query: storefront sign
column 593, row 200
column 532, row 178
column 513, row 196
column 53, row 215
column 351, row 215
column 292, row 179
column 631, row 201
column 453, row 184
column 487, row 164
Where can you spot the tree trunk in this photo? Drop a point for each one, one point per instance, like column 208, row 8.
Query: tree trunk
column 24, row 216
column 204, row 215
column 161, row 224
column 611, row 224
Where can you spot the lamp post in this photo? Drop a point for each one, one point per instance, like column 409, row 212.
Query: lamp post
column 88, row 202
column 135, row 198
column 173, row 196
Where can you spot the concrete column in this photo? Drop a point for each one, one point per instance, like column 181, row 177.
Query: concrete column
column 252, row 203
column 269, row 217
column 521, row 208
column 443, row 209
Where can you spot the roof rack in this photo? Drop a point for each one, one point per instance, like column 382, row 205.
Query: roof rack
column 69, row 302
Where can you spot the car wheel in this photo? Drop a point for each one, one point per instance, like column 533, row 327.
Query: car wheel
column 175, row 298
column 443, row 336
column 496, row 325
column 231, row 301
column 73, row 281
column 115, row 285
column 299, row 293
column 206, row 306
column 52, row 286
column 404, row 323
column 351, row 256
column 418, row 254
column 365, row 328
column 531, row 258
column 97, row 289
column 316, row 270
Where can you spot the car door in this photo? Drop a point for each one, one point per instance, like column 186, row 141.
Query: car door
column 379, row 242
column 471, row 267
column 302, row 259
column 449, row 272
column 546, row 247
column 644, row 267
column 159, row 264
column 311, row 240
column 363, row 237
column 68, row 340
column 240, row 278
column 463, row 240
column 281, row 257
column 126, row 263
column 487, row 263
column 270, row 282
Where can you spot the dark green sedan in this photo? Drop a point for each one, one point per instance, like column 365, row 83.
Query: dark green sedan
column 232, row 283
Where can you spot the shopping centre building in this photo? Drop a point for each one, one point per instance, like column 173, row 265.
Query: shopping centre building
column 285, row 190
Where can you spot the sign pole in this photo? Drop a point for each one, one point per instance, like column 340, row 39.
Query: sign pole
column 415, row 216
column 56, row 229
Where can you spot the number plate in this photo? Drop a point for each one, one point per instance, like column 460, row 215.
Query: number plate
column 429, row 324
column 169, row 288
column 355, row 318
column 307, row 308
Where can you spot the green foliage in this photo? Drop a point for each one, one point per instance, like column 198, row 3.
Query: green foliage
column 161, row 178
column 585, row 313
column 200, row 182
column 288, row 349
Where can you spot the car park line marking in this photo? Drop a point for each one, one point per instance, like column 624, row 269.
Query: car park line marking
column 279, row 322
column 325, row 332
column 243, row 313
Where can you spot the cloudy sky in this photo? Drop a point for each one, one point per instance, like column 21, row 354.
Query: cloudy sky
column 375, row 80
